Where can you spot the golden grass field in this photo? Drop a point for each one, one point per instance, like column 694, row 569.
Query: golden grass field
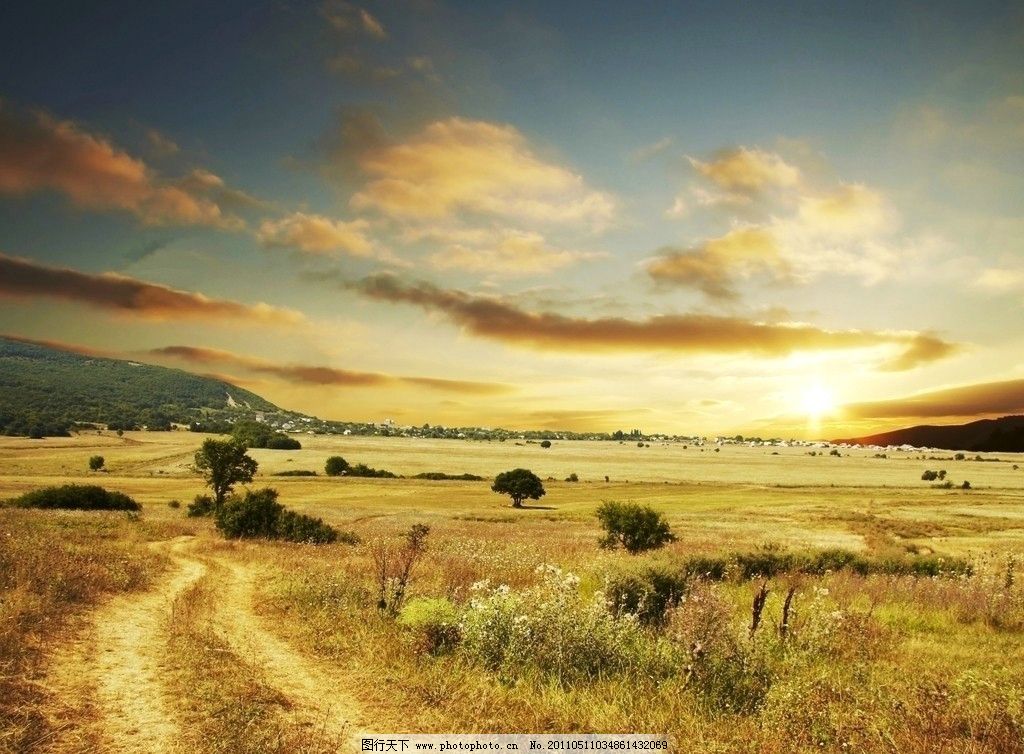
column 264, row 646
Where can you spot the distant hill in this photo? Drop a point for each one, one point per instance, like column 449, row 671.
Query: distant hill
column 44, row 390
column 1005, row 435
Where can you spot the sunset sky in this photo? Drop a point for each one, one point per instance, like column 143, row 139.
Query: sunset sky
column 793, row 219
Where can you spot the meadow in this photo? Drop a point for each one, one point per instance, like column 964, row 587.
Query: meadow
column 509, row 621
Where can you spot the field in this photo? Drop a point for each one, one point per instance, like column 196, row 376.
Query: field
column 149, row 632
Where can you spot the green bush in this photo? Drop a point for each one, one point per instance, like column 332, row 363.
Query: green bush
column 298, row 527
column 362, row 470
column 253, row 515
column 635, row 527
column 96, row 463
column 440, row 475
column 83, row 497
column 434, row 621
column 201, row 505
column 648, row 594
column 335, row 466
column 283, row 442
column 295, row 472
column 174, row 504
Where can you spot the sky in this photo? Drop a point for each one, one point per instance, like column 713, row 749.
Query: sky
column 775, row 219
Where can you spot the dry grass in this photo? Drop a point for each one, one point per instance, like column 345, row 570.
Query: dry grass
column 876, row 663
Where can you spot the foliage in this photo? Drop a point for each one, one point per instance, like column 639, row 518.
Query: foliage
column 254, row 434
column 362, row 470
column 335, row 466
column 87, row 497
column 96, row 463
column 295, row 472
column 635, row 527
column 647, row 593
column 201, row 505
column 47, row 390
column 434, row 621
column 545, row 443
column 440, row 475
column 223, row 464
column 257, row 514
column 520, row 485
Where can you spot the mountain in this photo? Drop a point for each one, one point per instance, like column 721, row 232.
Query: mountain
column 44, row 390
column 1005, row 435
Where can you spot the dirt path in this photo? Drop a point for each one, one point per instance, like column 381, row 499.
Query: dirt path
column 317, row 696
column 118, row 659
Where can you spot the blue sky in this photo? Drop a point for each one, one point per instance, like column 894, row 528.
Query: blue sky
column 835, row 168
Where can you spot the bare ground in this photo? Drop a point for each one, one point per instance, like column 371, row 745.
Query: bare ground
column 109, row 684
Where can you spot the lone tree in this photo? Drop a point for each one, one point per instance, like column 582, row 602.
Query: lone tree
column 223, row 463
column 519, row 484
column 96, row 463
column 336, row 466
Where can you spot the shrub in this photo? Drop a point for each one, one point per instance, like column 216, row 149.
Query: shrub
column 295, row 472
column 710, row 569
column 966, row 485
column 283, row 442
column 362, row 470
column 648, row 594
column 635, row 527
column 201, row 505
column 929, row 476
column 335, row 466
column 298, row 527
column 959, row 457
column 545, row 443
column 174, row 504
column 573, row 477
column 83, row 497
column 440, row 475
column 96, row 463
column 435, row 623
column 253, row 515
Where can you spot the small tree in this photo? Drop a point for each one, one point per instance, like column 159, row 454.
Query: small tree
column 519, row 484
column 545, row 444
column 224, row 463
column 635, row 527
column 335, row 466
column 96, row 463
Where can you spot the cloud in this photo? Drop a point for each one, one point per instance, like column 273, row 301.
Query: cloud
column 320, row 375
column 469, row 165
column 316, row 234
column 358, row 69
column 850, row 210
column 1001, row 280
column 499, row 320
column 714, row 266
column 648, row 151
column 508, row 253
column 23, row 278
column 61, row 346
column 163, row 145
column 987, row 398
column 743, row 170
column 349, row 18
column 40, row 153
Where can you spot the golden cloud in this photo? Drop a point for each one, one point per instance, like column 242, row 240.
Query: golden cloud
column 346, row 17
column 714, row 266
column 23, row 278
column 59, row 345
column 681, row 333
column 320, row 375
column 39, row 152
column 316, row 234
column 747, row 171
column 508, row 253
column 987, row 398
column 459, row 164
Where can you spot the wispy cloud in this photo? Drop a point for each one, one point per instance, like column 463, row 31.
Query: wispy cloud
column 305, row 374
column 316, row 234
column 349, row 18
column 23, row 278
column 504, row 253
column 41, row 153
column 500, row 320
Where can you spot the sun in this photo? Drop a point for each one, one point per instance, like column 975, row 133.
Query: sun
column 817, row 401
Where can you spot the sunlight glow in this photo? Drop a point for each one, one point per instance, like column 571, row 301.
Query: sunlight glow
column 817, row 401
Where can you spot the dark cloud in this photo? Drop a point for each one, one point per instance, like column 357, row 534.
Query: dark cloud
column 319, row 375
column 986, row 398
column 23, row 278
column 498, row 319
